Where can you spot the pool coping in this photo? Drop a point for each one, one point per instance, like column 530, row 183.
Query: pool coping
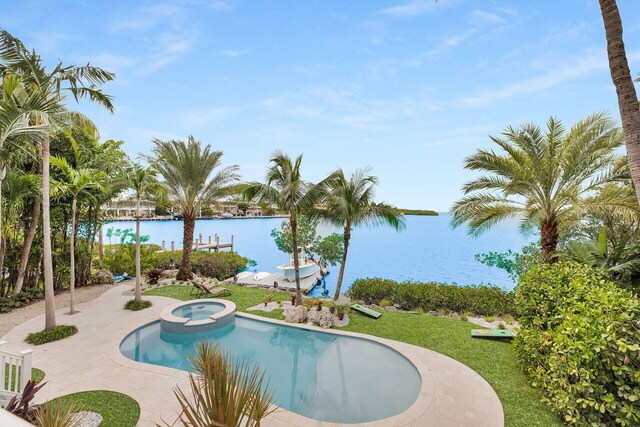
column 419, row 413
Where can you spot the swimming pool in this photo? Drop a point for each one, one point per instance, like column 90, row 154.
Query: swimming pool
column 319, row 375
column 198, row 311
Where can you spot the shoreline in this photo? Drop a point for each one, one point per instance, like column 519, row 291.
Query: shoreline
column 165, row 218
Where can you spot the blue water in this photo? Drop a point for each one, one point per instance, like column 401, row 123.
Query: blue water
column 199, row 310
column 427, row 250
column 316, row 374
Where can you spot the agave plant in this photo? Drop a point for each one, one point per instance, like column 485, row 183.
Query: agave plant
column 57, row 413
column 223, row 392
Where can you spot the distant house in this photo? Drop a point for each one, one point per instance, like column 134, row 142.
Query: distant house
column 231, row 209
column 125, row 207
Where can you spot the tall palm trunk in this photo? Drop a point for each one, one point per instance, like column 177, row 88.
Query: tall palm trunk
column 549, row 237
column 626, row 91
column 296, row 262
column 138, row 288
column 72, row 255
column 26, row 248
column 100, row 241
column 49, row 306
column 3, row 173
column 187, row 242
column 345, row 249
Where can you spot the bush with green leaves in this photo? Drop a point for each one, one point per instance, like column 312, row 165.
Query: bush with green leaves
column 579, row 341
column 27, row 296
column 134, row 305
column 516, row 264
column 54, row 334
column 481, row 300
column 218, row 265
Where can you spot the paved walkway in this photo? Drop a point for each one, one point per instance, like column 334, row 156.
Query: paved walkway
column 451, row 394
column 12, row 319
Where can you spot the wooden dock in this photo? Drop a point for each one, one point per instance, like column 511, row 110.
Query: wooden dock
column 200, row 245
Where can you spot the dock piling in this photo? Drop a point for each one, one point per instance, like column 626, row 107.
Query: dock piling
column 173, row 246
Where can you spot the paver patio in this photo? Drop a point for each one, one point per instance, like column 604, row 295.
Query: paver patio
column 451, row 395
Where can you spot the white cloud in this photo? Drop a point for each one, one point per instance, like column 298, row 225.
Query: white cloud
column 584, row 64
column 233, row 53
column 412, row 8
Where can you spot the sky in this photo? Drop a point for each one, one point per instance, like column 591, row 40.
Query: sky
column 406, row 87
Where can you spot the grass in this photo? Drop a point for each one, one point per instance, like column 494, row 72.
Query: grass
column 36, row 375
column 54, row 334
column 134, row 305
column 117, row 409
column 495, row 361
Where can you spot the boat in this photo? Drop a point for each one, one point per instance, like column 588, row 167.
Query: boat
column 306, row 268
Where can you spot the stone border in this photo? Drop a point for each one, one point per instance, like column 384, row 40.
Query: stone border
column 172, row 323
column 426, row 410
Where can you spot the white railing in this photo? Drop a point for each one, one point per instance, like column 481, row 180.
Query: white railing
column 15, row 371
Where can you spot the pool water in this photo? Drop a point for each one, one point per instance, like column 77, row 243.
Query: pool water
column 198, row 311
column 319, row 375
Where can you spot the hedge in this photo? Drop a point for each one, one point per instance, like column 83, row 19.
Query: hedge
column 219, row 265
column 579, row 341
column 481, row 300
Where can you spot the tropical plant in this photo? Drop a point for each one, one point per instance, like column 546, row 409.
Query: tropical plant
column 192, row 178
column 516, row 264
column 75, row 183
column 22, row 404
column 350, row 203
column 49, row 88
column 324, row 251
column 544, row 177
column 285, row 189
column 223, row 392
column 579, row 343
column 626, row 91
column 145, row 184
column 57, row 413
column 154, row 275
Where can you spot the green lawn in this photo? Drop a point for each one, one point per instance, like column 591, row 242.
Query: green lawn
column 36, row 375
column 494, row 360
column 117, row 409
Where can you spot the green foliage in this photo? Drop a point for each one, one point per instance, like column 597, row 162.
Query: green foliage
column 579, row 341
column 57, row 414
column 134, row 305
column 482, row 300
column 421, row 212
column 329, row 249
column 224, row 391
column 117, row 409
column 54, row 334
column 121, row 256
column 219, row 265
column 25, row 297
column 307, row 235
column 515, row 264
column 385, row 303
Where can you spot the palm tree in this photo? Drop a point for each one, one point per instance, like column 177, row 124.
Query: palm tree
column 626, row 91
column 191, row 182
column 350, row 203
column 144, row 183
column 287, row 191
column 50, row 88
column 75, row 183
column 544, row 177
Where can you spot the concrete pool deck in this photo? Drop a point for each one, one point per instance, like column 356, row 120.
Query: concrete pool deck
column 451, row 395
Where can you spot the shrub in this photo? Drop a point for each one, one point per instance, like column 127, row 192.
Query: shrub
column 134, row 305
column 25, row 297
column 385, row 303
column 579, row 341
column 483, row 300
column 489, row 319
column 54, row 334
column 219, row 265
column 123, row 259
column 153, row 276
